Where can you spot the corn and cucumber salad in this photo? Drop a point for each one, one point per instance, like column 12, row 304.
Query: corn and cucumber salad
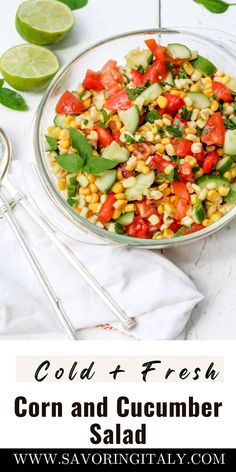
column 147, row 149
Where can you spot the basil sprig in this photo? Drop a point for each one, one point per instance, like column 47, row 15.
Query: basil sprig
column 215, row 6
column 84, row 160
column 74, row 4
column 11, row 99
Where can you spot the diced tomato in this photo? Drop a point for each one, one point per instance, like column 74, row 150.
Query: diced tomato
column 157, row 51
column 186, row 171
column 114, row 130
column 178, row 120
column 210, row 161
column 141, row 119
column 175, row 226
column 137, row 78
column 146, row 210
column 68, row 103
column 200, row 156
column 181, row 209
column 157, row 72
column 118, row 101
column 221, row 92
column 139, row 228
column 194, row 228
column 104, row 136
column 159, row 163
column 183, row 148
column 143, row 151
column 214, row 130
column 180, row 190
column 107, row 209
column 174, row 103
column 92, row 80
column 127, row 173
column 111, row 77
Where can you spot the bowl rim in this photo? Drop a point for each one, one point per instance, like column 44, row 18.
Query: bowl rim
column 58, row 199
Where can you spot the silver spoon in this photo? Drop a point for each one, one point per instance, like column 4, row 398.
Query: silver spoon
column 127, row 322
column 7, row 213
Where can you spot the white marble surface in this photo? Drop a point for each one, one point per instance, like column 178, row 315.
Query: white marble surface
column 211, row 263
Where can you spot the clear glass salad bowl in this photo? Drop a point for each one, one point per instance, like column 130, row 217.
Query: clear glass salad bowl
column 217, row 46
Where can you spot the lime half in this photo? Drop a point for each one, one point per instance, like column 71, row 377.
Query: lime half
column 44, row 22
column 28, row 67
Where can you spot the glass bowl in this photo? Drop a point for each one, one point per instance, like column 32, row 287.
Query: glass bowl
column 216, row 45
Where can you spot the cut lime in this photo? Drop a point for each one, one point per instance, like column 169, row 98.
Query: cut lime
column 28, row 68
column 44, row 22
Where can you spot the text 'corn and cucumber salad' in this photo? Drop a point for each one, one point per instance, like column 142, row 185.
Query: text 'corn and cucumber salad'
column 148, row 149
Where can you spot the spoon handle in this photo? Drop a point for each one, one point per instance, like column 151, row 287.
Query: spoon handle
column 6, row 211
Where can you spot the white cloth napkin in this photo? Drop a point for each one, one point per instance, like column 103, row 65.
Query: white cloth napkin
column 145, row 284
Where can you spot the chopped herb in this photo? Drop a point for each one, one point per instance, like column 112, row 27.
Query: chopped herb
column 135, row 92
column 234, row 105
column 170, row 66
column 221, row 106
column 171, row 176
column 175, row 159
column 176, row 175
column 161, row 132
column 185, row 114
column 118, row 228
column 81, row 95
column 72, row 187
column 152, row 116
column 180, row 232
column 199, row 131
column 229, row 124
column 105, row 115
column 176, row 131
column 72, row 201
column 196, row 168
column 160, row 178
column 141, row 139
column 128, row 139
column 86, row 122
column 140, row 69
column 182, row 74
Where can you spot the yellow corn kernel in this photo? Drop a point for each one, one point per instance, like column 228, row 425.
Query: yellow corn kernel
column 207, row 81
column 94, row 207
column 68, row 120
column 160, row 209
column 116, row 214
column 227, row 175
column 182, row 94
column 132, row 147
column 145, row 170
column 157, row 235
column 199, row 173
column 166, row 191
column 88, row 198
column 233, row 173
column 216, row 216
column 193, row 199
column 210, row 211
column 162, row 101
column 213, row 196
column 165, row 141
column 168, row 233
column 130, row 207
column 173, row 199
column 162, row 187
column 53, row 163
column 214, row 105
column 120, row 204
column 117, row 188
column 87, row 103
column 73, row 124
column 120, row 196
column 85, row 191
column 220, row 152
column 223, row 191
column 175, row 92
column 191, row 160
column 188, row 68
column 91, row 178
column 168, row 208
column 138, row 165
column 95, row 198
column 190, row 131
column 55, row 132
column 208, row 92
column 72, row 150
column 64, row 143
column 160, row 148
column 64, row 134
column 206, row 222
column 93, row 188
column 195, row 88
column 119, row 175
column 224, row 80
column 61, row 184
column 132, row 165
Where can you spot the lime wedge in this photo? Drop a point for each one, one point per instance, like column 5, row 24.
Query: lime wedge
column 44, row 22
column 28, row 67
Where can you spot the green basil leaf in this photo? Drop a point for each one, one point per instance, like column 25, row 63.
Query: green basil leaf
column 71, row 162
column 11, row 99
column 1, row 82
column 97, row 165
column 215, row 6
column 81, row 144
column 74, row 4
column 52, row 142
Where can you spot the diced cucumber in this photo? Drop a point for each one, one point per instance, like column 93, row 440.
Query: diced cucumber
column 59, row 120
column 224, row 164
column 231, row 85
column 217, row 179
column 230, row 142
column 143, row 180
column 231, row 197
column 134, row 193
column 199, row 100
column 130, row 118
column 150, row 94
column 115, row 152
column 138, row 57
column 204, row 65
column 106, row 180
column 169, row 79
column 142, row 183
column 179, row 51
column 199, row 211
column 126, row 219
